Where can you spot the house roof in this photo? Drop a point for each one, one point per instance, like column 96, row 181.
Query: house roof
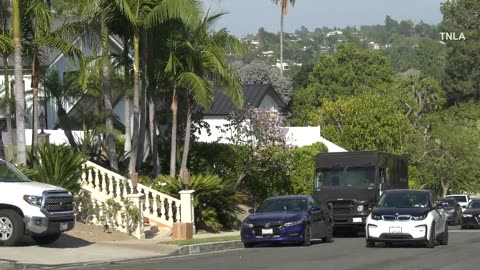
column 253, row 95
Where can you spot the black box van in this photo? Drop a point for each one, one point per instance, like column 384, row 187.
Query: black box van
column 350, row 183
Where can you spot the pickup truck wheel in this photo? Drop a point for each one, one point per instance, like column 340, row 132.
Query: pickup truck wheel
column 431, row 241
column 247, row 245
column 46, row 239
column 369, row 244
column 444, row 239
column 12, row 228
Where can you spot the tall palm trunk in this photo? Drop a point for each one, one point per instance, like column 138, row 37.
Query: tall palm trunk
column 128, row 125
column 153, row 137
column 8, row 111
column 107, row 95
column 173, row 143
column 281, row 40
column 143, row 103
column 19, row 87
column 188, row 130
column 136, row 102
column 35, row 83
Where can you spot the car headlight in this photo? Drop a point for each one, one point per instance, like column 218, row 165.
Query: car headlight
column 376, row 217
column 450, row 211
column 467, row 215
column 419, row 217
column 33, row 200
column 292, row 223
column 360, row 208
column 247, row 224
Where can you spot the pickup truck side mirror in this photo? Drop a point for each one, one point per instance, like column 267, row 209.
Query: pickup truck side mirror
column 251, row 210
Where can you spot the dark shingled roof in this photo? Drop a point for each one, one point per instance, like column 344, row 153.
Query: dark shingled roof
column 253, row 95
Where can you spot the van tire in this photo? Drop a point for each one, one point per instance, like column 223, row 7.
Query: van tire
column 13, row 230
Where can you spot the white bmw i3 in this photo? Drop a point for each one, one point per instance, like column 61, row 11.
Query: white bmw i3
column 406, row 215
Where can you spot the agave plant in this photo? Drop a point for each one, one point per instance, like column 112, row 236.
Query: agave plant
column 58, row 165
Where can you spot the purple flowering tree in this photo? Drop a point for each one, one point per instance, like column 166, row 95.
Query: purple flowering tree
column 260, row 151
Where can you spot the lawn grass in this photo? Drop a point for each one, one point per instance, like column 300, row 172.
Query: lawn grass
column 202, row 240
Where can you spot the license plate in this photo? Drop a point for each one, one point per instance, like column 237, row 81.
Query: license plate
column 63, row 226
column 357, row 219
column 267, row 231
column 395, row 229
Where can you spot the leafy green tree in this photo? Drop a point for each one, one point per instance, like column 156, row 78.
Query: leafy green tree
column 419, row 96
column 462, row 80
column 370, row 121
column 452, row 158
column 350, row 71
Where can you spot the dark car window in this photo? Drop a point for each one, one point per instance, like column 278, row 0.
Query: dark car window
column 8, row 174
column 282, row 205
column 448, row 202
column 404, row 200
column 459, row 198
column 474, row 204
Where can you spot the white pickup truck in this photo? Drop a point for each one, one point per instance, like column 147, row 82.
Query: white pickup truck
column 30, row 208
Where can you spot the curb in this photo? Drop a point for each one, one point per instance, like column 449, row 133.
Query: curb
column 181, row 251
column 7, row 265
column 208, row 247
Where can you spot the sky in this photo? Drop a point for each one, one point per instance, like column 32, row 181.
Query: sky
column 247, row 16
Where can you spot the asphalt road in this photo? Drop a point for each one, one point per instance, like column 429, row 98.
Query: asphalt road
column 344, row 253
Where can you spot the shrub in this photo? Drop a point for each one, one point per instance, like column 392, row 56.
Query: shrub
column 58, row 165
column 215, row 201
column 303, row 166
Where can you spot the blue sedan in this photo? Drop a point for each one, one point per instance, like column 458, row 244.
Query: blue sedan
column 287, row 219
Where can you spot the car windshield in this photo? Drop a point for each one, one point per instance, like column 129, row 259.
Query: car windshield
column 459, row 198
column 282, row 205
column 474, row 204
column 403, row 200
column 447, row 202
column 10, row 174
column 346, row 177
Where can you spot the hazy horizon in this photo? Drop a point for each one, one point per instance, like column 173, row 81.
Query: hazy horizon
column 316, row 13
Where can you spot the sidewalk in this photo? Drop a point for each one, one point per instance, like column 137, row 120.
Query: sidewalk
column 72, row 250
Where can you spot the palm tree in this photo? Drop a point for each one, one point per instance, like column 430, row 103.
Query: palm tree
column 19, row 86
column 283, row 12
column 144, row 14
column 205, row 67
column 6, row 49
column 40, row 37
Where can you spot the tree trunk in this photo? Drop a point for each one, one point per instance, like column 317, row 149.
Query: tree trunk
column 173, row 143
column 281, row 41
column 153, row 138
column 2, row 148
column 143, row 103
column 63, row 119
column 136, row 103
column 8, row 111
column 186, row 144
column 107, row 96
column 128, row 124
column 35, row 83
column 19, row 87
column 445, row 187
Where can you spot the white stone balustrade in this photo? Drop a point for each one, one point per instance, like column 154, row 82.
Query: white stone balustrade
column 154, row 205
